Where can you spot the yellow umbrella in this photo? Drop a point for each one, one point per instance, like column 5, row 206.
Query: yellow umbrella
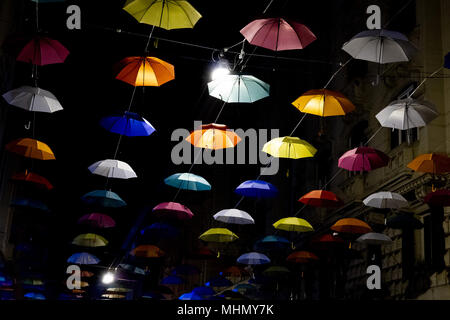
column 90, row 240
column 166, row 14
column 293, row 224
column 218, row 235
column 289, row 147
column 324, row 103
column 31, row 148
column 118, row 290
column 113, row 296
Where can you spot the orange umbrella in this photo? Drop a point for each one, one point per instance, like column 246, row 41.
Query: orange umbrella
column 31, row 148
column 302, row 257
column 351, row 225
column 213, row 136
column 34, row 178
column 431, row 163
column 147, row 251
column 145, row 71
column 86, row 274
column 324, row 103
column 321, row 198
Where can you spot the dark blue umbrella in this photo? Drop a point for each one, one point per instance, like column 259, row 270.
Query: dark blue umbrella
column 174, row 280
column 271, row 242
column 30, row 203
column 256, row 188
column 159, row 230
column 190, row 296
column 447, row 61
column 128, row 124
column 185, row 269
column 219, row 281
column 203, row 291
column 35, row 296
column 103, row 198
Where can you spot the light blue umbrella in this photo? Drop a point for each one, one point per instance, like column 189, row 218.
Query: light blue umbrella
column 238, row 88
column 103, row 198
column 187, row 181
column 253, row 258
column 190, row 296
column 83, row 258
column 271, row 242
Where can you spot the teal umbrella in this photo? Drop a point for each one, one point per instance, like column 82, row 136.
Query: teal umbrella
column 187, row 181
column 103, row 198
column 238, row 88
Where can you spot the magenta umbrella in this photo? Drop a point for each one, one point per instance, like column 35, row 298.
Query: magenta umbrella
column 278, row 34
column 440, row 198
column 42, row 51
column 173, row 210
column 363, row 159
column 98, row 220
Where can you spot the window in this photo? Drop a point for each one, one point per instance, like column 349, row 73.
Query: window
column 434, row 239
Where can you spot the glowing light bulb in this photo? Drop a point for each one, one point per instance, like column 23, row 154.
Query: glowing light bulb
column 108, row 278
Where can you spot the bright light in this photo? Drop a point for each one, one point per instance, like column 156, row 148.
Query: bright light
column 221, row 69
column 108, row 278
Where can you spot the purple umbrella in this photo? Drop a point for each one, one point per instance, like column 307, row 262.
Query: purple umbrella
column 363, row 159
column 173, row 210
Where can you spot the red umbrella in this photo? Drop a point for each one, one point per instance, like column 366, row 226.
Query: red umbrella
column 42, row 51
column 440, row 198
column 302, row 257
column 98, row 220
column 321, row 198
column 278, row 34
column 173, row 210
column 327, row 240
column 363, row 159
column 203, row 254
column 34, row 178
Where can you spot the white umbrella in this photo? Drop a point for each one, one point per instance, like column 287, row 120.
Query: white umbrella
column 386, row 200
column 238, row 88
column 374, row 238
column 407, row 114
column 235, row 216
column 33, row 99
column 113, row 169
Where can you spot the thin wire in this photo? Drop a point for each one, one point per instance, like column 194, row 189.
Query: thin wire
column 298, row 124
column 337, row 173
column 396, row 14
column 425, row 79
column 268, row 6
column 373, row 136
column 334, row 75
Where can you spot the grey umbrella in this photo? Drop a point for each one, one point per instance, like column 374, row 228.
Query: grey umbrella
column 33, row 99
column 386, row 200
column 374, row 238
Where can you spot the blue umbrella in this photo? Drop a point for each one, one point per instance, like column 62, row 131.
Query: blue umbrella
column 219, row 281
column 185, row 269
column 83, row 258
column 132, row 268
column 35, row 296
column 30, row 203
column 128, row 124
column 190, row 296
column 159, row 230
column 203, row 291
column 103, row 198
column 253, row 258
column 238, row 88
column 187, row 181
column 172, row 280
column 271, row 242
column 256, row 188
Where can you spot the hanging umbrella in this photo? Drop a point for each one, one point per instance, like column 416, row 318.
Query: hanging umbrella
column 213, row 136
column 83, row 258
column 289, row 147
column 327, row 241
column 167, row 14
column 147, row 251
column 235, row 216
column 103, row 198
column 133, row 269
column 86, row 274
column 374, row 238
column 233, row 271
column 407, row 114
column 30, row 203
column 404, row 221
column 431, row 163
column 302, row 257
column 219, row 281
column 145, row 71
column 173, row 210
column 113, row 296
column 293, row 224
column 440, row 198
column 380, row 46
column 34, row 296
column 97, row 220
column 245, row 289
column 33, row 99
column 42, row 51
column 90, row 240
column 30, row 148
column 351, row 225
column 257, row 189
column 272, row 243
column 203, row 291
column 153, row 296
column 276, row 271
column 203, row 253
column 253, row 258
column 190, row 296
column 128, row 124
column 233, row 88
column 119, row 290
column 33, row 178
column 172, row 280
column 159, row 230
column 324, row 103
column 187, row 181
column 112, row 169
column 386, row 200
column 363, row 159
column 218, row 235
column 278, row 34
column 185, row 269
column 321, row 198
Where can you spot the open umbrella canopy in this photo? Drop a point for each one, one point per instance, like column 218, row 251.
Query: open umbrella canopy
column 185, row 270
column 30, row 203
column 218, row 235
column 34, row 296
column 147, row 251
column 245, row 288
column 374, row 238
column 168, row 14
column 112, row 169
column 324, row 103
column 439, row 198
column 128, row 124
column 33, row 99
column 145, row 71
column 321, row 198
column 30, row 148
column 351, row 225
column 293, row 224
column 253, row 258
column 404, row 221
column 103, row 198
column 386, row 200
column 272, row 242
column 159, row 230
column 302, row 257
column 34, row 178
column 90, row 240
column 235, row 216
column 257, row 189
column 113, row 296
column 363, row 159
column 42, row 51
column 234, row 271
column 119, row 290
column 172, row 280
column 83, row 258
column 326, row 240
column 132, row 268
column 97, row 220
column 431, row 163
column 276, row 271
column 407, row 114
column 203, row 253
column 233, row 88
column 289, row 147
column 278, row 34
column 203, row 291
column 219, row 281
column 213, row 136
column 173, row 210
column 191, row 296
column 380, row 46
column 187, row 181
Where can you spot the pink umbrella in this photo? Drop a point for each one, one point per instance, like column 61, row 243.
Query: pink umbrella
column 98, row 220
column 42, row 51
column 363, row 159
column 278, row 34
column 173, row 210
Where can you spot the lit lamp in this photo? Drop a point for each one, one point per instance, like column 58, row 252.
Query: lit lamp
column 222, row 68
column 108, row 278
